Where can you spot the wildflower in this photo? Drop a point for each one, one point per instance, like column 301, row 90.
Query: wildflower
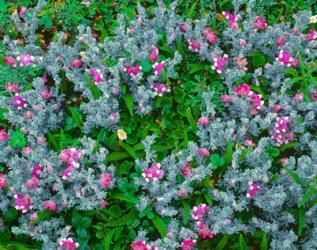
column 286, row 59
column 46, row 94
column 3, row 135
column 199, row 212
column 242, row 42
column 105, row 180
column 203, row 152
column 33, row 217
column 76, row 63
column 22, row 10
column 313, row 96
column 280, row 131
column 312, row 35
column 260, row 23
column 114, row 116
column 3, row 180
column 280, row 41
column 50, row 205
column 133, row 70
column 232, row 19
column 154, row 173
column 71, row 156
column 41, row 140
column 12, row 87
column 154, row 54
column 28, row 115
column 27, row 150
column 22, row 202
column 226, row 98
column 284, row 161
column 243, row 90
column 241, row 62
column 194, row 46
column 313, row 19
column 188, row 244
column 158, row 67
column 140, row 245
column 25, row 59
column 298, row 97
column 219, row 62
column 210, row 35
column 253, row 189
column 68, row 244
column 161, row 89
column 187, row 170
column 96, row 74
column 32, row 183
column 103, row 204
column 249, row 142
column 19, row 102
column 121, row 134
column 183, row 27
column 10, row 61
column 203, row 121
column 204, row 232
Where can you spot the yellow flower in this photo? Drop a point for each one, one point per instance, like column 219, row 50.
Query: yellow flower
column 313, row 19
column 121, row 134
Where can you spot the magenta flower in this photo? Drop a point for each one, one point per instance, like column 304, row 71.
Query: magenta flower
column 10, row 61
column 232, row 19
column 298, row 97
column 242, row 42
column 140, row 245
column 313, row 96
column 312, row 35
column 199, row 212
column 194, row 46
column 12, row 87
column 19, row 102
column 280, row 133
column 46, row 94
column 71, row 155
column 204, row 232
column 22, row 203
column 3, row 135
column 3, row 180
column 226, row 98
column 203, row 121
column 203, row 152
column 68, row 244
column 243, row 89
column 22, row 10
column 96, row 74
column 37, row 170
column 133, row 70
column 32, row 183
column 210, row 35
column 188, row 244
column 25, row 59
column 105, row 180
column 183, row 27
column 285, row 58
column 252, row 190
column 280, row 41
column 50, row 205
column 76, row 63
column 249, row 143
column 154, row 173
column 160, row 89
column 154, row 54
column 260, row 23
column 187, row 169
column 158, row 67
column 219, row 63
column 68, row 171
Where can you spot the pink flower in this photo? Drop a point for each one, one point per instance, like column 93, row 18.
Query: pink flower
column 182, row 194
column 188, row 244
column 114, row 116
column 210, row 35
column 284, row 161
column 3, row 180
column 203, row 152
column 249, row 142
column 257, row 103
column 96, row 74
column 253, row 189
column 226, row 98
column 199, row 212
column 33, row 217
column 158, row 67
column 187, row 170
column 154, row 173
column 37, row 170
column 232, row 19
column 10, row 61
column 22, row 10
column 103, row 204
column 242, row 42
column 3, row 135
column 219, row 62
column 243, row 89
column 183, row 27
column 313, row 96
column 71, row 155
column 28, row 115
column 312, row 35
column 12, row 87
column 133, row 70
column 194, row 46
column 46, row 94
column 140, row 245
column 280, row 41
column 50, row 205
column 68, row 172
column 203, row 121
column 22, row 202
column 41, row 140
column 204, row 232
column 154, row 54
column 286, row 59
column 19, row 102
column 68, row 244
column 105, row 180
column 298, row 97
column 260, row 23
column 27, row 150
column 25, row 59
column 280, row 131
column 32, row 183
column 160, row 89
column 76, row 63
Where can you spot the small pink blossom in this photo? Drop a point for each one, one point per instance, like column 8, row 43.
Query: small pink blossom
column 160, row 89
column 140, row 245
column 103, row 204
column 226, row 98
column 280, row 41
column 37, row 170
column 242, row 42
column 183, row 27
column 27, row 150
column 285, row 58
column 68, row 244
column 10, row 61
column 25, row 59
column 158, row 67
column 46, row 94
column 313, row 95
column 187, row 170
column 243, row 89
column 260, row 23
column 203, row 121
column 114, row 116
column 32, row 183
column 188, row 244
column 249, row 143
column 22, row 203
column 33, row 217
column 219, row 62
column 22, row 10
column 76, row 63
column 133, row 70
column 68, row 171
column 3, row 135
column 204, row 232
column 312, row 35
column 253, row 189
column 154, row 54
column 19, row 102
column 280, row 131
column 105, row 180
column 154, row 173
column 284, row 161
column 71, row 155
column 12, row 87
column 194, row 46
column 3, row 180
column 210, row 35
column 28, row 115
column 41, row 140
column 50, row 205
column 97, row 77
column 203, row 152
column 232, row 19
column 199, row 212
column 182, row 193
column 298, row 97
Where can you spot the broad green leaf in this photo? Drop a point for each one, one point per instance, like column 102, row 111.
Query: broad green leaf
column 17, row 140
column 301, row 220
column 160, row 226
column 77, row 116
column 128, row 99
column 242, row 245
column 95, row 91
column 228, row 154
column 107, row 240
column 146, row 65
column 264, row 245
column 186, row 212
column 126, row 197
column 190, row 118
column 222, row 244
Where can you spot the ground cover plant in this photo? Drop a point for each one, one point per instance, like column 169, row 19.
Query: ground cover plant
column 158, row 125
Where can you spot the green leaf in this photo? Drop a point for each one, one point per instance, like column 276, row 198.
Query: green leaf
column 95, row 91
column 160, row 226
column 128, row 99
column 126, row 197
column 301, row 220
column 77, row 116
column 116, row 156
column 192, row 10
column 222, row 244
column 190, row 118
column 146, row 65
column 186, row 212
column 228, row 154
column 17, row 140
column 264, row 245
column 242, row 245
column 129, row 149
column 107, row 240
column 257, row 59
column 295, row 176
